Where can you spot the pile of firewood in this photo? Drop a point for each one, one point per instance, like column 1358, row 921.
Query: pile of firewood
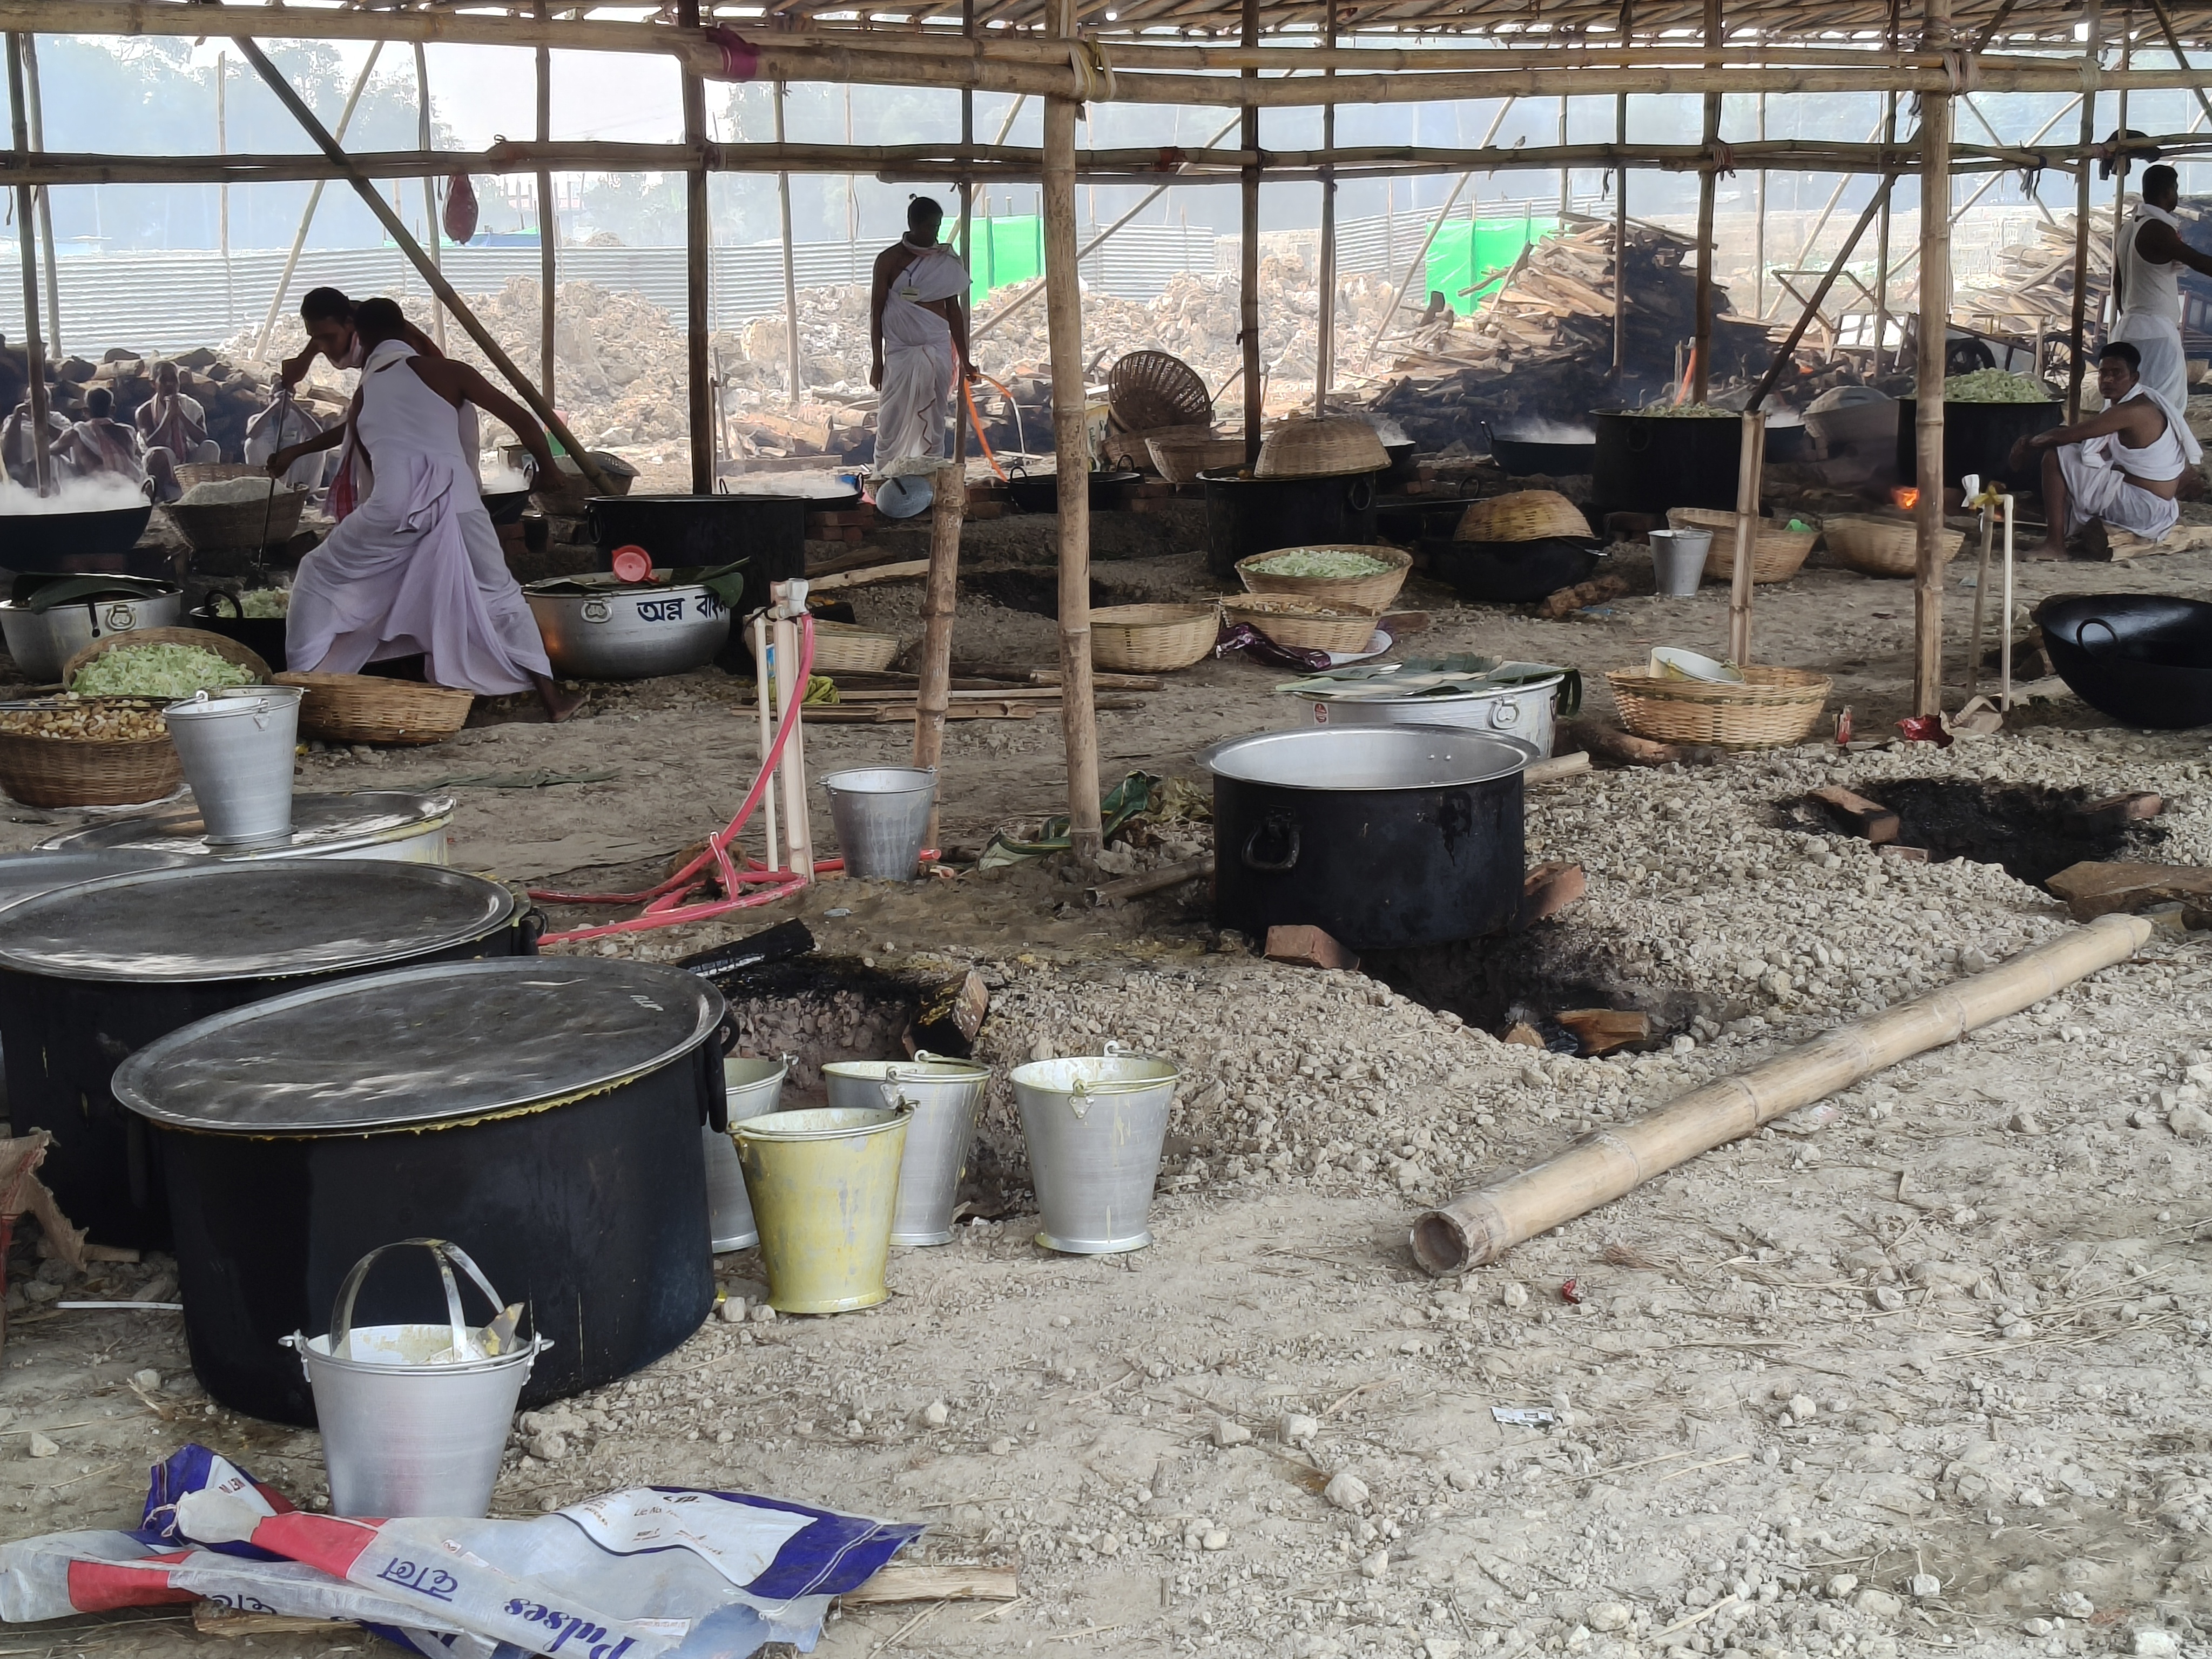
column 231, row 396
column 2032, row 289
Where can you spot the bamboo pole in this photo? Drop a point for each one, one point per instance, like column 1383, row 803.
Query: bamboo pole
column 549, row 228
column 1912, row 255
column 934, row 693
column 1759, row 227
column 1620, row 240
column 1063, row 307
column 1928, row 406
column 698, row 244
column 1701, row 349
column 2120, row 175
column 2077, row 336
column 35, row 108
column 1480, row 1226
column 34, row 352
column 314, row 201
column 764, row 701
column 790, row 602
column 398, row 231
column 794, row 371
column 430, row 226
column 1247, row 284
column 223, row 196
column 1428, row 239
column 1881, row 245
column 2180, row 58
column 1751, row 457
column 1878, row 206
column 1325, row 320
column 966, row 254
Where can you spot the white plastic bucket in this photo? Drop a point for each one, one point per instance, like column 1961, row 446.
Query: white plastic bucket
column 237, row 745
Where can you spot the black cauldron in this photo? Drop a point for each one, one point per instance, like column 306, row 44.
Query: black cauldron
column 2144, row 659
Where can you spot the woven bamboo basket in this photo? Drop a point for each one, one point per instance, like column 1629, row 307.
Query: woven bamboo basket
column 370, row 708
column 262, row 523
column 43, row 771
column 1359, row 593
column 1146, row 639
column 1523, row 515
column 230, row 650
column 1306, row 627
column 1321, row 447
column 1776, row 554
column 1134, row 450
column 1770, row 707
column 1148, row 390
column 189, row 473
column 845, row 648
column 1179, row 456
column 1882, row 547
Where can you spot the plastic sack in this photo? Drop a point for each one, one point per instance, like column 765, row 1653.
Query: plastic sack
column 460, row 208
column 281, row 425
column 637, row 1574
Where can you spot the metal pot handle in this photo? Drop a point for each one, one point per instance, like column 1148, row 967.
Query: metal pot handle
column 448, row 1255
column 2082, row 633
column 1361, row 495
column 1280, row 827
column 215, row 595
column 1636, row 440
column 529, row 930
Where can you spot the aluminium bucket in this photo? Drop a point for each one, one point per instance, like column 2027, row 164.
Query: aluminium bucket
column 944, row 1095
column 754, row 1087
column 408, row 1428
column 237, row 745
column 882, row 815
column 1094, row 1126
column 1678, row 561
column 824, row 1183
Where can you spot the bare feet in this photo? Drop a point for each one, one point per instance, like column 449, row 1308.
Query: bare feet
column 560, row 703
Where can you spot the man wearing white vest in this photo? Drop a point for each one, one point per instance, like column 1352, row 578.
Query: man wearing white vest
column 2147, row 269
column 2126, row 467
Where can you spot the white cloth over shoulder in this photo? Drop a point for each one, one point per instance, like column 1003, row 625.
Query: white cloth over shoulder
column 2150, row 307
column 918, row 366
column 416, row 566
column 2097, row 473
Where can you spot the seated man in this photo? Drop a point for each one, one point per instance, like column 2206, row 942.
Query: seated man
column 16, row 454
column 2124, row 468
column 99, row 443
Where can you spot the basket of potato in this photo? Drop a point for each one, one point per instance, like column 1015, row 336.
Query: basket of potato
column 87, row 751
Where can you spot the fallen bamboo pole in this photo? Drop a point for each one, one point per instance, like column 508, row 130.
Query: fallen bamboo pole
column 1480, row 1226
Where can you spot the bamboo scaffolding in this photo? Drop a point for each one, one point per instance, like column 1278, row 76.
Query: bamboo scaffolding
column 34, row 356
column 1878, row 206
column 2091, row 16
column 1701, row 339
column 1480, row 1226
column 1248, row 249
column 314, row 201
column 794, row 375
column 549, row 226
column 1935, row 122
column 34, row 107
column 1325, row 318
column 1428, row 240
column 698, row 244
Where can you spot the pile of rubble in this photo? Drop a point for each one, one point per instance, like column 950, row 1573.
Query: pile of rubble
column 1541, row 347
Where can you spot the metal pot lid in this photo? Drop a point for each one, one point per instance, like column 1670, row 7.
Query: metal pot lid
column 1400, row 699
column 26, row 875
column 320, row 824
column 443, row 1042
column 1365, row 757
column 205, row 922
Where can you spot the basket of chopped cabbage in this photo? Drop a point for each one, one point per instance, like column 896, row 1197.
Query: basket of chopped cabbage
column 169, row 663
column 1364, row 578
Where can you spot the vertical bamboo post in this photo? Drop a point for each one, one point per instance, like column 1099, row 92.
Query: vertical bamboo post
column 1750, row 458
column 1566, row 176
column 1620, row 220
column 36, row 109
column 967, row 257
column 314, row 201
column 2113, row 296
column 934, row 695
column 432, row 236
column 764, row 703
column 549, row 225
column 1881, row 247
column 1708, row 180
column 1247, row 314
column 34, row 351
column 2077, row 336
column 1325, row 322
column 221, row 197
column 698, row 239
column 1758, row 226
column 793, row 372
column 1064, row 311
column 1935, row 122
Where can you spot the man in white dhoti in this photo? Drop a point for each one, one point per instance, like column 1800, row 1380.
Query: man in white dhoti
column 2125, row 467
column 416, row 567
column 918, row 329
column 2146, row 278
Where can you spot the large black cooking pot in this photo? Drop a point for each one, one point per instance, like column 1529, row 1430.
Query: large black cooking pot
column 1648, row 463
column 221, row 613
column 1511, row 572
column 1977, row 438
column 2144, row 659
column 681, row 531
column 1410, row 521
column 91, row 973
column 543, row 1116
column 1245, row 516
column 83, row 543
column 1378, row 835
column 1525, row 457
column 1108, row 492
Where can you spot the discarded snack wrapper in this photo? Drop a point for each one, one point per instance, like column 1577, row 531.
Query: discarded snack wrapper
column 1571, row 1292
column 1526, row 1417
column 1925, row 728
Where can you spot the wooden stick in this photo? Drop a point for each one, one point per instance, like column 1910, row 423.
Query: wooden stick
column 902, row 570
column 1153, row 881
column 1750, row 458
column 698, row 251
column 1482, row 1225
column 1248, row 252
column 548, row 224
column 934, row 693
column 430, row 226
column 920, row 1583
column 408, row 246
column 1063, row 306
column 2091, row 16
column 1936, row 119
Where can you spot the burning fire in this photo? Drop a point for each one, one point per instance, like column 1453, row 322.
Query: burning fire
column 1905, row 496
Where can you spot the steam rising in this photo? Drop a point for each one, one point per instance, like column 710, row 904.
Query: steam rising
column 104, row 492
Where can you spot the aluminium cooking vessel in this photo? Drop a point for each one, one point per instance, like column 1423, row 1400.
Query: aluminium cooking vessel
column 627, row 633
column 89, row 974
column 1041, row 494
column 542, row 1114
column 42, row 642
column 1522, row 713
column 2143, row 659
column 1380, row 836
column 373, row 823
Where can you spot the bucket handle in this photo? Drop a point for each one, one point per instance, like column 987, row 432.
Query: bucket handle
column 448, row 1255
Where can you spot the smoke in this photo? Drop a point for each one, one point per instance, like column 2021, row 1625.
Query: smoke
column 506, row 481
column 104, row 492
column 1549, row 432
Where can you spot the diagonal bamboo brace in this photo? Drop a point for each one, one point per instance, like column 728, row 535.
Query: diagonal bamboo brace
column 1480, row 1226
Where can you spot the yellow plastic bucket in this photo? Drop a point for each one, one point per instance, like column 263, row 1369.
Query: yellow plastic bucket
column 824, row 1183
